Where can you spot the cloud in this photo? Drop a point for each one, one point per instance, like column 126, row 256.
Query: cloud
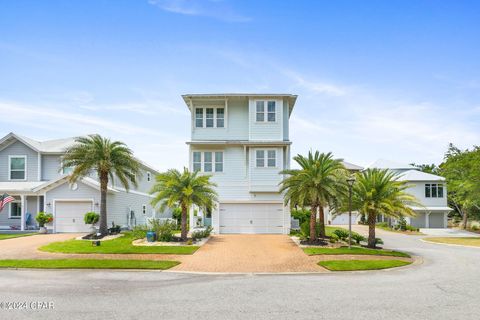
column 216, row 9
column 314, row 86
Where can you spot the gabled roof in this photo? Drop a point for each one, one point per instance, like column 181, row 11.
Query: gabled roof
column 351, row 166
column 292, row 98
column 388, row 164
column 416, row 175
column 52, row 184
column 48, row 146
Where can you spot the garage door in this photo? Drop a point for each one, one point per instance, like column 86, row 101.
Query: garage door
column 69, row 216
column 342, row 219
column 251, row 218
column 436, row 220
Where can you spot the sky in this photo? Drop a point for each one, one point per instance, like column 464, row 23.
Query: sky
column 397, row 80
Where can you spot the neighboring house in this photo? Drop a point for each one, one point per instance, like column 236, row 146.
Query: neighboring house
column 31, row 172
column 429, row 189
column 242, row 140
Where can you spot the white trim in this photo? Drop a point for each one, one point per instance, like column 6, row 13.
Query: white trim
column 23, row 198
column 10, row 167
column 202, row 160
column 39, row 166
column 54, row 202
column 265, row 111
column 135, row 192
column 251, row 201
column 144, row 209
column 265, row 158
column 204, row 116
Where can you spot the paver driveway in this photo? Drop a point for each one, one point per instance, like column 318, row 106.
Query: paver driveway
column 249, row 253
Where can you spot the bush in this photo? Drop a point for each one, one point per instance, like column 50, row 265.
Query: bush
column 177, row 214
column 341, row 234
column 382, row 225
column 305, row 229
column 43, row 218
column 301, row 214
column 333, row 238
column 163, row 229
column 358, row 237
column 411, row 228
column 91, row 218
column 140, row 231
column 378, row 241
column 475, row 227
column 200, row 234
column 402, row 224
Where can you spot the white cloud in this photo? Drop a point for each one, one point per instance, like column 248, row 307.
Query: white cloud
column 216, row 9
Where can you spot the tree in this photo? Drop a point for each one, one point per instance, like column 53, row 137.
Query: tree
column 427, row 168
column 183, row 189
column 378, row 191
column 461, row 168
column 314, row 185
column 108, row 159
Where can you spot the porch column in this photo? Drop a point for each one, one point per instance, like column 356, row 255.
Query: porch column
column 427, row 219
column 192, row 222
column 22, row 216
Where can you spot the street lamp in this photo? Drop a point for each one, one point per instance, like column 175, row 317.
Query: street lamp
column 350, row 182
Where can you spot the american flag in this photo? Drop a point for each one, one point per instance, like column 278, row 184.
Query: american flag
column 4, row 199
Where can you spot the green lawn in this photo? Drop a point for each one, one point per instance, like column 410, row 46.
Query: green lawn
column 355, row 250
column 88, row 264
column 122, row 245
column 463, row 241
column 351, row 265
column 15, row 235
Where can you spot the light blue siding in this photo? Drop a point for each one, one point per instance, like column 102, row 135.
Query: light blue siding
column 271, row 131
column 286, row 117
column 19, row 149
column 51, row 167
column 265, row 179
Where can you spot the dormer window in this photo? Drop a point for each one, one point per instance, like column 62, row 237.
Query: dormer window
column 210, row 117
column 266, row 111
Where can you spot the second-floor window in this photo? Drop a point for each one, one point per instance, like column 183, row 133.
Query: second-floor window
column 433, row 190
column 209, row 117
column 208, row 161
column 266, row 111
column 266, row 158
column 17, row 167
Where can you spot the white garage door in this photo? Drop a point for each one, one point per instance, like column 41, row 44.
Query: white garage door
column 69, row 216
column 251, row 218
column 342, row 219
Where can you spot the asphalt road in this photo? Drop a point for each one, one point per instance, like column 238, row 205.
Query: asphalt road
column 445, row 286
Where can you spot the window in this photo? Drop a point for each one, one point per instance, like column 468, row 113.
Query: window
column 17, row 166
column 272, row 158
column 220, row 117
column 197, row 161
column 15, row 210
column 269, row 114
column 208, row 161
column 149, row 176
column 433, row 190
column 67, row 170
column 270, row 161
column 144, row 209
column 218, row 161
column 211, row 117
column 199, row 117
column 260, row 156
column 271, row 111
column 260, row 111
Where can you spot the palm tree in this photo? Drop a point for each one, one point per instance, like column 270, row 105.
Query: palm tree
column 183, row 189
column 315, row 185
column 109, row 159
column 377, row 192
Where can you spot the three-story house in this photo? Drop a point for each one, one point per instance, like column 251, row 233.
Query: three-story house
column 242, row 140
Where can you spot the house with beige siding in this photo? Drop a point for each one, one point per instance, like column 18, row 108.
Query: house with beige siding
column 32, row 173
column 242, row 141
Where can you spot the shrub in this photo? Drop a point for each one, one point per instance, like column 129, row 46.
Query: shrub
column 402, row 224
column 43, row 218
column 140, row 231
column 91, row 218
column 363, row 220
column 301, row 214
column 177, row 214
column 333, row 238
column 341, row 234
column 382, row 225
column 305, row 229
column 200, row 234
column 358, row 237
column 163, row 229
column 378, row 241
column 475, row 227
column 411, row 228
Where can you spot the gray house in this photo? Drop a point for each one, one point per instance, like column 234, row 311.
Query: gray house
column 30, row 171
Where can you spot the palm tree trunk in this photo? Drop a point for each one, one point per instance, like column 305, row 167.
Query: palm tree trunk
column 184, row 223
column 103, row 204
column 322, row 223
column 372, row 219
column 313, row 221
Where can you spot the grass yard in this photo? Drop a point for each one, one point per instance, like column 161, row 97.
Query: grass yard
column 88, row 264
column 15, row 235
column 355, row 250
column 122, row 245
column 352, row 265
column 463, row 241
